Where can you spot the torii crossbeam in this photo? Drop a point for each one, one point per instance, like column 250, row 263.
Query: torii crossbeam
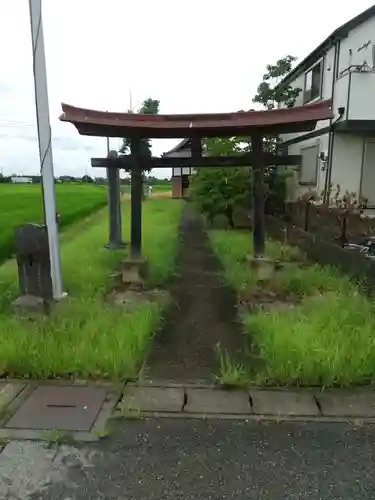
column 256, row 124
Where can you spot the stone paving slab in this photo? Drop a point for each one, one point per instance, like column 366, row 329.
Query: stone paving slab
column 347, row 403
column 206, row 401
column 30, row 429
column 58, row 407
column 152, row 399
column 8, row 392
column 271, row 402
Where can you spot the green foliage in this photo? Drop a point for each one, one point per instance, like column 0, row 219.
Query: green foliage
column 222, row 190
column 222, row 146
column 149, row 107
column 269, row 91
column 219, row 191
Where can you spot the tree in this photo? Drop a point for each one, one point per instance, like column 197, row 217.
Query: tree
column 149, row 107
column 221, row 190
column 5, row 179
column 87, row 179
column 270, row 94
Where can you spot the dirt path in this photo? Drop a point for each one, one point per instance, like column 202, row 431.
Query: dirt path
column 203, row 313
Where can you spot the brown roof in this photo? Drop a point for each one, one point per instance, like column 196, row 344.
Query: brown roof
column 102, row 123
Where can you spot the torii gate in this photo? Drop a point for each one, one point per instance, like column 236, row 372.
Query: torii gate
column 255, row 124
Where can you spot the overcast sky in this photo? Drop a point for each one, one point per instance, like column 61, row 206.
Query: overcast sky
column 196, row 56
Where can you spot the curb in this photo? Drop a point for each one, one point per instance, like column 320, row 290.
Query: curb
column 172, row 400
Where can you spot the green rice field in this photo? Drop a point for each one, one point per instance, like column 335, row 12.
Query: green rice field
column 20, row 204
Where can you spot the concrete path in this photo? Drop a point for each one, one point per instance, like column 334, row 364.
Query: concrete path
column 200, row 460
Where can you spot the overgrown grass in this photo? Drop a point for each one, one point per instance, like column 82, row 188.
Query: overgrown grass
column 326, row 338
column 20, row 204
column 85, row 336
column 231, row 373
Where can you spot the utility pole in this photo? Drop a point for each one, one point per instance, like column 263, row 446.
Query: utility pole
column 45, row 145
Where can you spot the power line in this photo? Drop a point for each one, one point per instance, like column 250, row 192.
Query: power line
column 17, row 126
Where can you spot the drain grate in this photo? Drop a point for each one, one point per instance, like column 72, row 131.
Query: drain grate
column 59, row 407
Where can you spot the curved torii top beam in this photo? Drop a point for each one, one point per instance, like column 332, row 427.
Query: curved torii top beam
column 285, row 120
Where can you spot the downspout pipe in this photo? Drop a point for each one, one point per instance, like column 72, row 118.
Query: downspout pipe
column 331, row 136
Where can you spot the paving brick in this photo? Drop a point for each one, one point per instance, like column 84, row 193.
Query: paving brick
column 347, row 403
column 156, row 399
column 208, row 401
column 283, row 403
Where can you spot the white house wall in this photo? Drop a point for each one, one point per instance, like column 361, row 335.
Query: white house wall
column 295, row 149
column 184, row 153
column 299, row 82
column 355, row 91
column 353, row 88
column 346, row 163
column 356, row 39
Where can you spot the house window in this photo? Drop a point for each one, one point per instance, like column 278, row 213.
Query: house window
column 313, row 82
column 309, row 165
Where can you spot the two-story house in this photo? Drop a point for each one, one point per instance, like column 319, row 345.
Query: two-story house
column 342, row 150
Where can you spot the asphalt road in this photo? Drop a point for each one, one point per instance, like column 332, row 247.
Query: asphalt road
column 200, row 460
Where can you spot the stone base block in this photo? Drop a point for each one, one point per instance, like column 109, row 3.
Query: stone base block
column 134, row 271
column 27, row 304
column 263, row 268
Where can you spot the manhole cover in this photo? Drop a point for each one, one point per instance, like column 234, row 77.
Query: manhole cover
column 63, row 408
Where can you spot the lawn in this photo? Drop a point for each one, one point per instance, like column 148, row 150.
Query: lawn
column 320, row 333
column 20, row 204
column 86, row 336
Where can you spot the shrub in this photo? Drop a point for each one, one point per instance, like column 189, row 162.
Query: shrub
column 219, row 191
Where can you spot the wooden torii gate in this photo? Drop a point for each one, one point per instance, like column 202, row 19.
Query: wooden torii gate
column 256, row 124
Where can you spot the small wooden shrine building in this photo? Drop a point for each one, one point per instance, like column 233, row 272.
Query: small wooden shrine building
column 180, row 175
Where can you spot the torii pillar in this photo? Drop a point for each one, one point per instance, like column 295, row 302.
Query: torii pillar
column 134, row 268
column 114, row 207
